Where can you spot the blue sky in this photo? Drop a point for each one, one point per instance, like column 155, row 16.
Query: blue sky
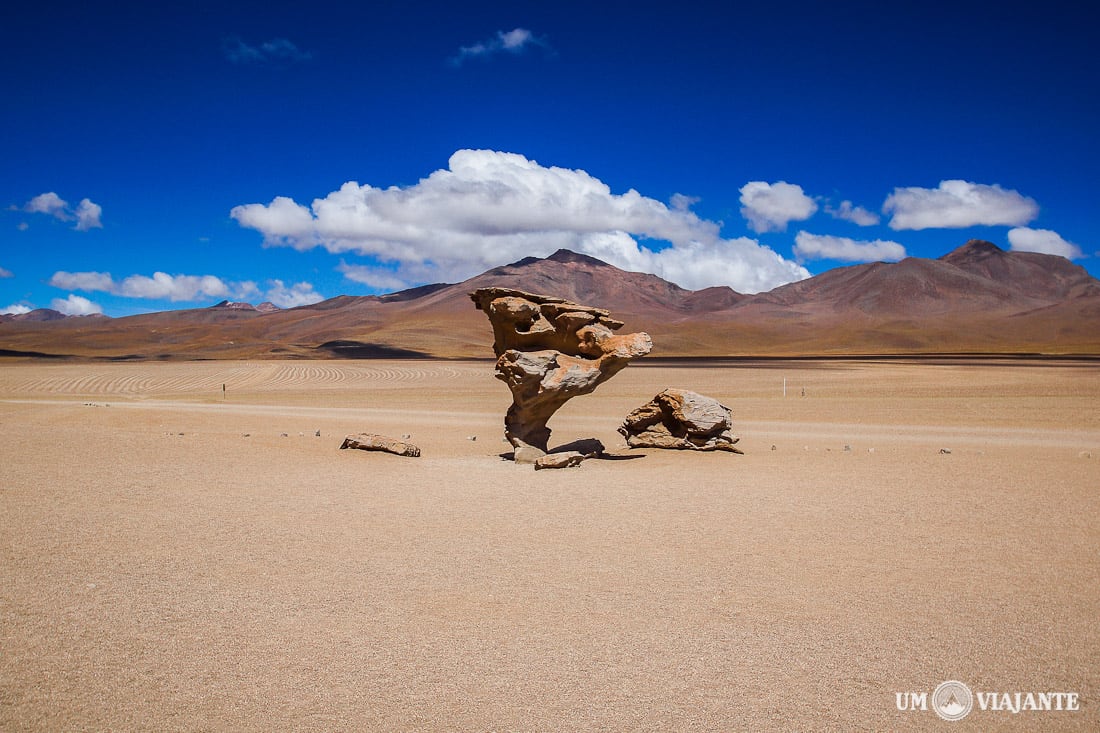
column 170, row 157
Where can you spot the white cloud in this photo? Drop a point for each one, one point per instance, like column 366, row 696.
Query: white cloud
column 956, row 204
column 87, row 281
column 822, row 246
column 176, row 288
column 48, row 203
column 1022, row 239
column 86, row 214
column 76, row 305
column 275, row 50
column 770, row 206
column 489, row 208
column 372, row 277
column 741, row 263
column 14, row 310
column 161, row 286
column 513, row 41
column 681, row 202
column 5, row 273
column 855, row 214
column 291, row 297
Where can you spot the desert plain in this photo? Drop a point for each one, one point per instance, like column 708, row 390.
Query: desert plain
column 176, row 557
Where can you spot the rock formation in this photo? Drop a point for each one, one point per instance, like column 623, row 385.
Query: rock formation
column 550, row 350
column 370, row 441
column 680, row 419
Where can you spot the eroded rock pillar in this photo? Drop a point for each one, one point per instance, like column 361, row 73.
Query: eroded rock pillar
column 550, row 350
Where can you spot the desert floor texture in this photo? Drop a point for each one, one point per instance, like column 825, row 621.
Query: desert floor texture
column 176, row 559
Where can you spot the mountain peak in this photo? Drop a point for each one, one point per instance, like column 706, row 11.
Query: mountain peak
column 234, row 306
column 568, row 255
column 39, row 315
column 972, row 250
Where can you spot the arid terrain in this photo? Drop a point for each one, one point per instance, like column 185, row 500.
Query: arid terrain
column 976, row 299
column 179, row 558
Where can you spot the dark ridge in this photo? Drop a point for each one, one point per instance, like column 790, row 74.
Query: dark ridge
column 568, row 255
column 520, row 263
column 32, row 354
column 412, row 293
column 339, row 301
column 563, row 256
column 346, row 349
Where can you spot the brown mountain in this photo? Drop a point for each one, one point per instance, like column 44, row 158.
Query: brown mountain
column 42, row 315
column 266, row 307
column 976, row 299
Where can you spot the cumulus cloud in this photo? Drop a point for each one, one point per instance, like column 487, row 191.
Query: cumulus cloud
column 771, row 206
column 855, row 214
column 5, row 273
column 161, row 286
column 15, row 309
column 48, row 203
column 87, row 281
column 86, row 214
column 1023, row 239
column 956, row 204
column 822, row 246
column 291, row 297
column 682, row 202
column 513, row 41
column 372, row 277
column 488, row 208
column 76, row 305
column 177, row 288
column 275, row 50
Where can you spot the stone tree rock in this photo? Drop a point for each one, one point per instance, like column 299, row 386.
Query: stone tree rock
column 548, row 351
column 680, row 419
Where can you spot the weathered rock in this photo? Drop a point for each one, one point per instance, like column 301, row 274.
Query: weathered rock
column 527, row 454
column 548, row 351
column 568, row 459
column 682, row 420
column 370, row 441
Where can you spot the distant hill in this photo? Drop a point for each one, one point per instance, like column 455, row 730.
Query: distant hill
column 43, row 315
column 266, row 307
column 976, row 299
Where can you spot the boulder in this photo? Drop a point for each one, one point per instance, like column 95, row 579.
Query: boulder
column 550, row 350
column 370, row 441
column 683, row 420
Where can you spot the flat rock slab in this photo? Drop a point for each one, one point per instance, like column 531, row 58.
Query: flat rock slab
column 560, row 460
column 371, row 441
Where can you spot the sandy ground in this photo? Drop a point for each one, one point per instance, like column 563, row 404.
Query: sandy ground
column 175, row 560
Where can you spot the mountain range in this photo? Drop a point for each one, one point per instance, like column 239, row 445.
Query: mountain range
column 977, row 299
